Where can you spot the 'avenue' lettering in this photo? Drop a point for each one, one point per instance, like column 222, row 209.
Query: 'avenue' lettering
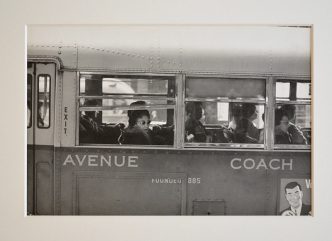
column 101, row 160
column 262, row 164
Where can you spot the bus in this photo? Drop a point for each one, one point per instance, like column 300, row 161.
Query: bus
column 225, row 110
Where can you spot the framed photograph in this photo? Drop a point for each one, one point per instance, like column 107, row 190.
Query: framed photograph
column 139, row 120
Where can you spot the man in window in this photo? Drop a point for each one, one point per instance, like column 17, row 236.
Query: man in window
column 294, row 195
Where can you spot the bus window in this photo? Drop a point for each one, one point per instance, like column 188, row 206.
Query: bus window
column 44, row 82
column 224, row 111
column 127, row 110
column 29, row 101
column 292, row 113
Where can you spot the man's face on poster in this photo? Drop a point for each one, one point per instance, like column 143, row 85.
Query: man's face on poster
column 294, row 196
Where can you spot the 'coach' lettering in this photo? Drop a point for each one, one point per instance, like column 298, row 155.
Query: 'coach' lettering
column 289, row 164
column 249, row 160
column 262, row 164
column 274, row 167
column 273, row 164
column 236, row 160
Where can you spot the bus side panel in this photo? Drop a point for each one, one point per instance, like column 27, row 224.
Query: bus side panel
column 113, row 190
column 44, row 180
column 160, row 182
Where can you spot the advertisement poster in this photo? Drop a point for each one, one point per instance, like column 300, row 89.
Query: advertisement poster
column 295, row 197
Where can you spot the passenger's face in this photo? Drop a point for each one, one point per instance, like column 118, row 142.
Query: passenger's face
column 255, row 115
column 294, row 196
column 203, row 116
column 284, row 123
column 143, row 122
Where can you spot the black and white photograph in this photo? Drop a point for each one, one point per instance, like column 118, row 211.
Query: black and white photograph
column 165, row 120
column 168, row 120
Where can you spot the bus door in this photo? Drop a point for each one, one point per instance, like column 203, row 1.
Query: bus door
column 40, row 134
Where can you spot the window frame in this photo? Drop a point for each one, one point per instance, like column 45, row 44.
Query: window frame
column 291, row 102
column 50, row 95
column 270, row 102
column 31, row 109
column 263, row 101
column 126, row 96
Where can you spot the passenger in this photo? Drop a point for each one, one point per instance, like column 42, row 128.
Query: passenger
column 90, row 131
column 281, row 133
column 195, row 131
column 163, row 135
column 245, row 130
column 236, row 115
column 93, row 131
column 285, row 131
column 295, row 132
column 138, row 131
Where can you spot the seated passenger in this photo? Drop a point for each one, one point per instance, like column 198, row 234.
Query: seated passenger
column 163, row 135
column 245, row 130
column 241, row 133
column 110, row 133
column 89, row 130
column 194, row 129
column 297, row 136
column 285, row 131
column 138, row 131
column 281, row 133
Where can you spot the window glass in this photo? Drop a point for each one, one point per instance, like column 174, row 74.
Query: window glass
column 292, row 124
column 293, row 90
column 219, row 122
column 126, row 110
column 225, row 88
column 303, row 91
column 282, row 90
column 29, row 101
column 123, row 85
column 44, row 82
column 121, row 102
